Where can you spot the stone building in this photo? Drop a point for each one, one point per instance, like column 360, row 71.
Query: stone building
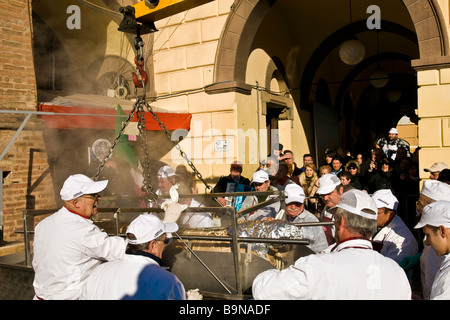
column 249, row 73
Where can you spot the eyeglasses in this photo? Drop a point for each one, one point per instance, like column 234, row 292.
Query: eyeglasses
column 166, row 240
column 94, row 197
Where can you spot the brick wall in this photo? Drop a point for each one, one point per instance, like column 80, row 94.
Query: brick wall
column 18, row 92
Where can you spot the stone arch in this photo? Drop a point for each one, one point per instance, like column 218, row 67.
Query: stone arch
column 246, row 15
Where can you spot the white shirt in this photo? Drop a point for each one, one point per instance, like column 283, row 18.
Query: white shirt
column 196, row 219
column 315, row 234
column 66, row 248
column 134, row 277
column 397, row 240
column 353, row 270
column 441, row 284
column 429, row 266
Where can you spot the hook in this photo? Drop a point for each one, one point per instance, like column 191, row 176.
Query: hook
column 139, row 61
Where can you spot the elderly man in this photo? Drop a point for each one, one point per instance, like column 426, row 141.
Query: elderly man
column 393, row 238
column 352, row 270
column 140, row 275
column 330, row 190
column 435, row 169
column 67, row 245
column 432, row 191
column 435, row 222
column 261, row 183
column 390, row 146
column 296, row 213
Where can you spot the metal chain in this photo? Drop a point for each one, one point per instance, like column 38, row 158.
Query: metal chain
column 182, row 153
column 115, row 141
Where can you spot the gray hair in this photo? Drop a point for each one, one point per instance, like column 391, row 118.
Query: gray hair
column 356, row 223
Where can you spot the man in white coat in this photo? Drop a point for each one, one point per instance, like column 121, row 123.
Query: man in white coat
column 67, row 245
column 352, row 270
column 393, row 238
column 140, row 275
column 435, row 221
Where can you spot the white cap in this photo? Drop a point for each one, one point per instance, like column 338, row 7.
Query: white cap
column 294, row 193
column 328, row 183
column 78, row 184
column 358, row 202
column 260, row 176
column 436, row 190
column 393, row 130
column 437, row 166
column 148, row 227
column 166, row 171
column 385, row 199
column 435, row 214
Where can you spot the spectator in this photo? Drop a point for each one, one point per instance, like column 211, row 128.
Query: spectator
column 336, row 164
column 353, row 168
column 444, row 176
column 352, row 270
column 380, row 177
column 324, row 169
column 308, row 180
column 329, row 155
column 435, row 169
column 281, row 178
column 288, row 157
column 345, row 177
column 307, row 158
column 231, row 182
column 391, row 145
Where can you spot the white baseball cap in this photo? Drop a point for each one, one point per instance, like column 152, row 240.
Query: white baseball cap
column 294, row 193
column 385, row 199
column 436, row 190
column 435, row 214
column 166, row 171
column 393, row 130
column 437, row 166
column 78, row 184
column 147, row 227
column 328, row 183
column 260, row 176
column 360, row 203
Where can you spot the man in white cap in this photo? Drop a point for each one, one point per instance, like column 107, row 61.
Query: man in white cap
column 67, row 244
column 393, row 238
column 432, row 191
column 166, row 179
column 261, row 183
column 352, row 270
column 330, row 189
column 435, row 221
column 296, row 213
column 140, row 275
column 435, row 169
column 390, row 146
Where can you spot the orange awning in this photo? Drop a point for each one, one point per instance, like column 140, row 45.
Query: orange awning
column 76, row 117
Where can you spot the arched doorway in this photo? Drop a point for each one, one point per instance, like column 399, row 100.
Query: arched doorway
column 304, row 37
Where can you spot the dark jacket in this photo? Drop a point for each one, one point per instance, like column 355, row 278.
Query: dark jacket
column 221, row 185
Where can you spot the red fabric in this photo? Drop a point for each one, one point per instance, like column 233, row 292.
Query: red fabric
column 172, row 121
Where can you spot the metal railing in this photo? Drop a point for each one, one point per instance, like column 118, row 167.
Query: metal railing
column 234, row 239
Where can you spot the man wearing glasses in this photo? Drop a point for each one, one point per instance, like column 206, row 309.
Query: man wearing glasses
column 68, row 245
column 140, row 275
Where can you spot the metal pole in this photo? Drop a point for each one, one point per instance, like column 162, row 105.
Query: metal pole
column 235, row 250
column 24, row 122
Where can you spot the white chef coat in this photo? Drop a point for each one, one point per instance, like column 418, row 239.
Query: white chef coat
column 429, row 266
column 441, row 284
column 66, row 248
column 135, row 277
column 352, row 270
column 397, row 240
column 196, row 219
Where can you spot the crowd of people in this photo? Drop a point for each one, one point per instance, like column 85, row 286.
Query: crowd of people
column 371, row 210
